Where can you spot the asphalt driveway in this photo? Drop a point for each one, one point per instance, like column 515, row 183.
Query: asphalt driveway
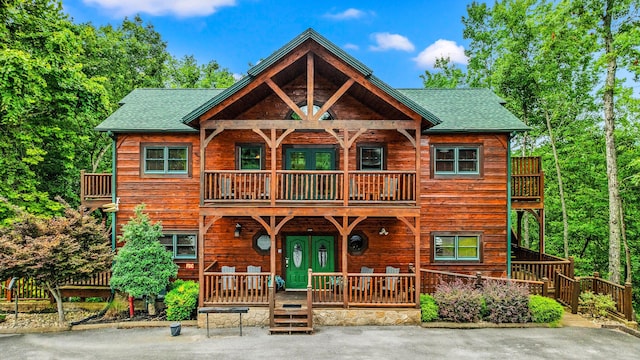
column 406, row 342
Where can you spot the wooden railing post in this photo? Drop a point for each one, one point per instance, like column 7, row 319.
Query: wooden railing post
column 571, row 273
column 478, row 280
column 556, row 281
column 628, row 305
column 272, row 300
column 309, row 300
column 545, row 286
column 575, row 295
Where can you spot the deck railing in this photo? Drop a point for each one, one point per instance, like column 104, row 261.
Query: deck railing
column 538, row 270
column 99, row 279
column 26, row 289
column 527, row 179
column 430, row 279
column 365, row 290
column 95, row 186
column 235, row 288
column 222, row 186
column 621, row 294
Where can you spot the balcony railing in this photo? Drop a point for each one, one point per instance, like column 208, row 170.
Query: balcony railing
column 95, row 188
column 527, row 179
column 317, row 186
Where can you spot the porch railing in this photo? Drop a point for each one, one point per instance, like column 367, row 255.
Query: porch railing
column 538, row 270
column 26, row 289
column 377, row 290
column 430, row 279
column 95, row 187
column 236, row 288
column 527, row 179
column 317, row 186
column 621, row 294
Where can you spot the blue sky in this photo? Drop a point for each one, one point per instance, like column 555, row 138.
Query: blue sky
column 397, row 40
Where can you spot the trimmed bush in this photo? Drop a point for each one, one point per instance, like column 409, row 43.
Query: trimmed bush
column 545, row 310
column 596, row 305
column 428, row 307
column 181, row 300
column 458, row 302
column 506, row 302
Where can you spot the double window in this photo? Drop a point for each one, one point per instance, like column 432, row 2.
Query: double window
column 456, row 247
column 456, row 160
column 166, row 159
column 182, row 246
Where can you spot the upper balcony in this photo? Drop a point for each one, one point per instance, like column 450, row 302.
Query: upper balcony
column 527, row 183
column 314, row 187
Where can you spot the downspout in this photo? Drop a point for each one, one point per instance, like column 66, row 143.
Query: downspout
column 113, row 190
column 509, row 206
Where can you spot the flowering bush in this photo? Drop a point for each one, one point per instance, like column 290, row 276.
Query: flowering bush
column 458, row 302
column 507, row 302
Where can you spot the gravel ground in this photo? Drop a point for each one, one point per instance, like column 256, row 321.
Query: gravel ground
column 40, row 320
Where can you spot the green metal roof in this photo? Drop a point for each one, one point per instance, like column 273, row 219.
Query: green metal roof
column 332, row 48
column 466, row 110
column 156, row 110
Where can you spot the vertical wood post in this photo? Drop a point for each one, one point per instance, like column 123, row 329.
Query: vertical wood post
column 571, row 273
column 545, row 286
column 309, row 300
column 82, row 188
column 478, row 280
column 556, row 281
column 575, row 295
column 628, row 305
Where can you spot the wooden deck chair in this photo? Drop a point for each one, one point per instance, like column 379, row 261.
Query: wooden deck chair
column 226, row 191
column 266, row 193
column 389, row 189
column 228, row 281
column 365, row 281
column 354, row 193
column 391, row 282
column 253, row 281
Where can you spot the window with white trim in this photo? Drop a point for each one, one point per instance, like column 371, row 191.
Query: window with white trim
column 456, row 160
column 456, row 247
column 166, row 159
column 181, row 246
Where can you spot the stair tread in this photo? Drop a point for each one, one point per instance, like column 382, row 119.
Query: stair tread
column 291, row 329
column 290, row 312
column 291, row 320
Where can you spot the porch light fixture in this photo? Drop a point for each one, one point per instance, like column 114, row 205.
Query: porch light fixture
column 236, row 233
column 383, row 231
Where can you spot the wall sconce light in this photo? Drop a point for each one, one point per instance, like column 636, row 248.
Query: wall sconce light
column 383, row 231
column 236, row 233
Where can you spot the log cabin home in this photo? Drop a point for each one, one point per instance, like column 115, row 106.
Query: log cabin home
column 312, row 170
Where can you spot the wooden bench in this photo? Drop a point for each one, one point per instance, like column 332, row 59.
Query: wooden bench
column 224, row 310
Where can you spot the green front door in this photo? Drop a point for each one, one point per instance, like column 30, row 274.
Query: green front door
column 306, row 251
column 310, row 186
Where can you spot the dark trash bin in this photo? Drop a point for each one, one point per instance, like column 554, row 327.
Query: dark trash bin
column 175, row 329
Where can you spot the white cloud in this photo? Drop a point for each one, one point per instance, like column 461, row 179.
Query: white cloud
column 441, row 49
column 180, row 8
column 351, row 46
column 386, row 41
column 348, row 14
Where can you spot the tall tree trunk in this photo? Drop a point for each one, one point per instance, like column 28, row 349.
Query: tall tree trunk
column 627, row 252
column 526, row 240
column 610, row 149
column 563, row 205
column 58, row 297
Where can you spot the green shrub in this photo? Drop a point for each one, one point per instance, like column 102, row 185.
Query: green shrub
column 94, row 300
column 458, row 302
column 545, row 310
column 596, row 305
column 506, row 302
column 428, row 307
column 181, row 300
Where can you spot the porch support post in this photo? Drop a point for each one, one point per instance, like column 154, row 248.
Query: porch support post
column 415, row 230
column 201, row 231
column 345, row 234
column 541, row 232
column 272, row 252
column 345, row 166
column 519, row 228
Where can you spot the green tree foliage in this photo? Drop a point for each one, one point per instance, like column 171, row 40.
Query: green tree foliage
column 53, row 250
column 142, row 266
column 48, row 106
column 186, row 73
column 446, row 75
